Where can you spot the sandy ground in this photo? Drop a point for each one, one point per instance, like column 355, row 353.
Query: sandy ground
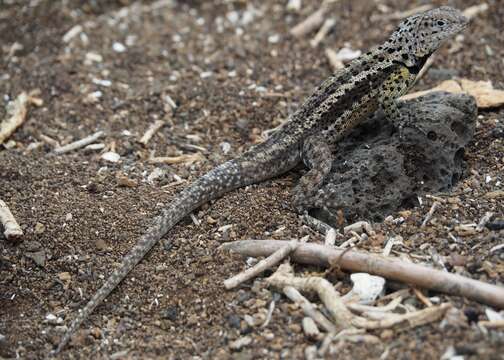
column 233, row 71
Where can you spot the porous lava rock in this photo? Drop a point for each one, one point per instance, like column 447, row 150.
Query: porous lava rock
column 376, row 171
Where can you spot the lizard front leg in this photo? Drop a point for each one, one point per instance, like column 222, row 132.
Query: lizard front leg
column 317, row 156
column 392, row 88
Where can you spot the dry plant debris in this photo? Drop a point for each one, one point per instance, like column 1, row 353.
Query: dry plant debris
column 16, row 114
column 79, row 143
column 392, row 269
column 483, row 91
column 12, row 230
column 187, row 159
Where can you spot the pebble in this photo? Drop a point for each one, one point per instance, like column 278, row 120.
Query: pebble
column 65, row 276
column 495, row 225
column 32, row 245
column 53, row 319
column 39, row 228
column 93, row 97
column 111, row 156
column 101, row 245
column 240, row 343
column 192, row 320
column 118, row 47
column 124, row 181
column 38, row 257
column 295, row 328
column 170, row 313
column 234, row 321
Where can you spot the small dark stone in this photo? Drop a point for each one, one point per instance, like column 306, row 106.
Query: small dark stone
column 466, row 349
column 471, row 314
column 495, row 225
column 167, row 245
column 234, row 321
column 244, row 296
column 170, row 313
column 246, row 330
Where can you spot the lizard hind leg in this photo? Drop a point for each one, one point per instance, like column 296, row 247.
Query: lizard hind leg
column 316, row 155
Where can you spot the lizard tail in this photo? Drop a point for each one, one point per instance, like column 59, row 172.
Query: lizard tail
column 215, row 183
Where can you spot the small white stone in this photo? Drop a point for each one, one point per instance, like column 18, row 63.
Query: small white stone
column 94, row 147
column 93, row 57
column 294, row 5
column 73, row 32
column 366, row 287
column 102, row 82
column 347, row 54
column 68, row 217
column 206, row 74
column 111, row 156
column 53, row 319
column 155, row 174
column 274, row 39
column 94, row 96
column 225, row 147
column 118, row 47
column 240, row 343
column 131, row 40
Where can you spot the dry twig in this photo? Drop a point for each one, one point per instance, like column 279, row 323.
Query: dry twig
column 324, row 289
column 79, row 143
column 185, row 158
column 393, row 269
column 155, row 126
column 262, row 265
column 12, row 230
column 323, row 31
column 429, row 215
column 311, row 22
column 16, row 114
column 309, row 309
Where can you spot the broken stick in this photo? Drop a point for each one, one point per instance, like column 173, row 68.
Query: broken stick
column 262, row 265
column 155, row 126
column 393, row 269
column 12, row 230
column 16, row 114
column 79, row 143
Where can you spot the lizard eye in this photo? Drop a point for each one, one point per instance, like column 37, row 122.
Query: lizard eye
column 440, row 23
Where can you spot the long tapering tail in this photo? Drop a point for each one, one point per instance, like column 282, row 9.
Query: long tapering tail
column 215, row 183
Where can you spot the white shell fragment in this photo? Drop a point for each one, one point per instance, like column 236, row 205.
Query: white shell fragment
column 111, row 156
column 366, row 287
column 118, row 47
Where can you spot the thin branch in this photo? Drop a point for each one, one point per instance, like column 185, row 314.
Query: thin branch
column 12, row 230
column 429, row 215
column 390, row 268
column 324, row 289
column 262, row 265
column 79, row 143
column 153, row 128
column 16, row 114
column 309, row 309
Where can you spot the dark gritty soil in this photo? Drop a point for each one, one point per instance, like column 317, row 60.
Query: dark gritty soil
column 173, row 304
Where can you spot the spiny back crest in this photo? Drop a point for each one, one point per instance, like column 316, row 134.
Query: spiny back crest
column 421, row 34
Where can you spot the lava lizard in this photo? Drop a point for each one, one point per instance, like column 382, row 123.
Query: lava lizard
column 373, row 80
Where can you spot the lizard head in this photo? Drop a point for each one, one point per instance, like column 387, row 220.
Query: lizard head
column 418, row 36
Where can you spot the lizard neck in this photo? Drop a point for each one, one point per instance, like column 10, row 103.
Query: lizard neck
column 404, row 55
